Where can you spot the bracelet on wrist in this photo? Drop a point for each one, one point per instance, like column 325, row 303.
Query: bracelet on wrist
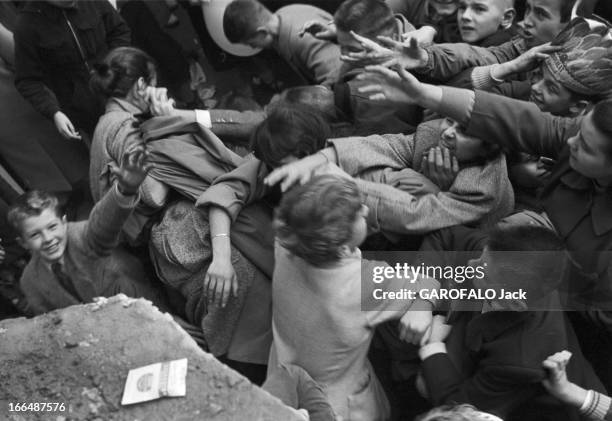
column 221, row 235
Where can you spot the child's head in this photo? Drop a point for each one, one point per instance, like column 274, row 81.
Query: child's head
column 289, row 133
column 368, row 18
column 247, row 22
column 36, row 217
column 457, row 413
column 571, row 80
column 320, row 219
column 124, row 72
column 545, row 19
column 315, row 96
column 444, row 8
column 464, row 147
column 479, row 19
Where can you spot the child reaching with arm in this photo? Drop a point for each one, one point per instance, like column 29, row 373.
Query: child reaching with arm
column 324, row 307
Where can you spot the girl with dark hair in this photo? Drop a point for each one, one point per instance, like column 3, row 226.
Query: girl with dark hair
column 191, row 250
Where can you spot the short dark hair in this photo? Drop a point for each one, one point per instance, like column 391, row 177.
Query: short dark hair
column 296, row 129
column 314, row 221
column 242, row 18
column 316, row 96
column 601, row 116
column 120, row 69
column 532, row 257
column 30, row 204
column 368, row 18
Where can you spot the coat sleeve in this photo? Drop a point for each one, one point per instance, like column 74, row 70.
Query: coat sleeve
column 101, row 234
column 358, row 154
column 394, row 210
column 381, row 310
column 29, row 73
column 236, row 189
column 448, row 60
column 117, row 32
column 513, row 124
column 321, row 57
column 235, row 124
column 491, row 388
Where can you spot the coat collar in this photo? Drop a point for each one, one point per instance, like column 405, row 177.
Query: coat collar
column 42, row 7
column 119, row 104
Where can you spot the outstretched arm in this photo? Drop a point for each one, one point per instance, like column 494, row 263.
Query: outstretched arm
column 516, row 125
column 220, row 279
column 111, row 212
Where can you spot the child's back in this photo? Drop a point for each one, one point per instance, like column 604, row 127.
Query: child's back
column 318, row 325
column 318, row 320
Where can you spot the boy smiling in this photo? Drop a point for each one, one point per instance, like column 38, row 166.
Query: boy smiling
column 73, row 262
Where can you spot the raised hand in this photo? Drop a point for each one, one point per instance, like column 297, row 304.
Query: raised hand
column 392, row 86
column 424, row 35
column 525, row 62
column 371, row 53
column 159, row 103
column 296, row 172
column 133, row 170
column 408, row 54
column 531, row 58
column 440, row 167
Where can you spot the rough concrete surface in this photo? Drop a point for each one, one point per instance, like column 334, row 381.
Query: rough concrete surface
column 80, row 356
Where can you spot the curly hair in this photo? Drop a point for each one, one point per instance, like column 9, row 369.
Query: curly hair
column 32, row 203
column 315, row 221
column 455, row 413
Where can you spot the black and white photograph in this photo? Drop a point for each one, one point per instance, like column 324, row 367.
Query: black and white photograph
column 311, row 210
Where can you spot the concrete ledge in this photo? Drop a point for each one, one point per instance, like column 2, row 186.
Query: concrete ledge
column 80, row 356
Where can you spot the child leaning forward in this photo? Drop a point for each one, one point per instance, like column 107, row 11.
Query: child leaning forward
column 320, row 321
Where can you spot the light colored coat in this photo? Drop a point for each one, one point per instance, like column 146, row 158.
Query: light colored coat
column 315, row 60
column 480, row 194
column 320, row 325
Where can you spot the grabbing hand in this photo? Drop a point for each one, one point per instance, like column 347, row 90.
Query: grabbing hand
column 414, row 325
column 296, row 172
column 159, row 103
column 440, row 167
column 397, row 87
column 64, row 126
column 531, row 58
column 325, row 32
column 388, row 52
column 556, row 381
column 133, row 170
column 438, row 332
column 423, row 36
column 219, row 281
column 371, row 53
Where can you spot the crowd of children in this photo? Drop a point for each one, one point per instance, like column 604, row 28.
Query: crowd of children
column 450, row 134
